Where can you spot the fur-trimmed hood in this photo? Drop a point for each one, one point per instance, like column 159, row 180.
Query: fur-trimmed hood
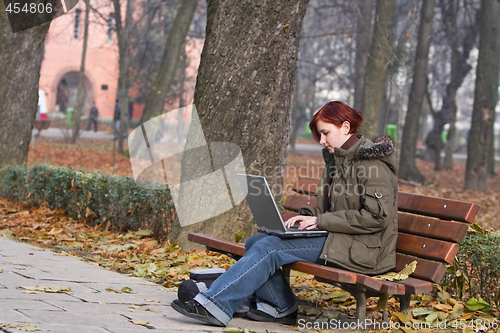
column 382, row 146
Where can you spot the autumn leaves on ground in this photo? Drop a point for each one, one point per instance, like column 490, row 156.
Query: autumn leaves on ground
column 138, row 254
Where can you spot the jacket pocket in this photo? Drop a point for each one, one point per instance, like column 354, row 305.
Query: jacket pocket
column 365, row 250
column 376, row 200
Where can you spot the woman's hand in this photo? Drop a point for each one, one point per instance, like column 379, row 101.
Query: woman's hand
column 304, row 222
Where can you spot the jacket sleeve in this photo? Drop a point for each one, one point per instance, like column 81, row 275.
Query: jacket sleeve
column 376, row 201
column 309, row 211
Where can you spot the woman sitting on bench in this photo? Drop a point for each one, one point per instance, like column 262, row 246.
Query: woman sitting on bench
column 356, row 204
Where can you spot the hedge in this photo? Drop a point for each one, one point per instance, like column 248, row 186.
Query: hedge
column 96, row 197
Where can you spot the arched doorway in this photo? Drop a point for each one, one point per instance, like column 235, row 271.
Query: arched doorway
column 67, row 92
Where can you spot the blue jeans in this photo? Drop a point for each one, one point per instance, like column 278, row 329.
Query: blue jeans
column 258, row 272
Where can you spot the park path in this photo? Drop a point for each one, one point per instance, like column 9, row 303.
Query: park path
column 88, row 307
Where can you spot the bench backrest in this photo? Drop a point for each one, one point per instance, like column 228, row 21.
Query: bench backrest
column 429, row 229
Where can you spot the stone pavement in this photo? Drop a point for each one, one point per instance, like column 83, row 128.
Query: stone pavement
column 88, row 307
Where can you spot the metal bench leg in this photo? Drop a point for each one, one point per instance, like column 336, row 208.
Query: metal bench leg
column 404, row 304
column 360, row 296
column 286, row 274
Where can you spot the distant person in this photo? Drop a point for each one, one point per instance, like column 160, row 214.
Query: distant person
column 93, row 115
column 117, row 117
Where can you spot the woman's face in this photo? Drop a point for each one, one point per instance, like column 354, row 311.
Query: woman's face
column 332, row 136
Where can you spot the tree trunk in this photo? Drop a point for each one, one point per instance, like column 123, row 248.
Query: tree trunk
column 482, row 113
column 363, row 35
column 171, row 56
column 79, row 109
column 21, row 59
column 459, row 70
column 491, row 146
column 123, row 33
column 407, row 167
column 376, row 69
column 243, row 94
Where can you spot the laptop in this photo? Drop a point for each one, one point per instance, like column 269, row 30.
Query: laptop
column 265, row 211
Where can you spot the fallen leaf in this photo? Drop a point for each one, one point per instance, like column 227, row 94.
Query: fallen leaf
column 1, row 270
column 143, row 233
column 124, row 290
column 150, row 300
column 138, row 322
column 51, row 289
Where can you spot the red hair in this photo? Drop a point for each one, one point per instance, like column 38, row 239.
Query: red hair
column 336, row 113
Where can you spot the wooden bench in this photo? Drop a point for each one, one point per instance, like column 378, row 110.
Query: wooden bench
column 429, row 231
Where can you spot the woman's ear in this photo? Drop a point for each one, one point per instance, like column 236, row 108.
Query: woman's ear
column 346, row 127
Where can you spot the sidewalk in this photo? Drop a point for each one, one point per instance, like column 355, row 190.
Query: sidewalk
column 88, row 307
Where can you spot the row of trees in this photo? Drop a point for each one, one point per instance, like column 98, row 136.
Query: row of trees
column 377, row 55
column 399, row 62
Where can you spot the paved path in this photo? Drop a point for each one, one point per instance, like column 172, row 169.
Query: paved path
column 88, row 307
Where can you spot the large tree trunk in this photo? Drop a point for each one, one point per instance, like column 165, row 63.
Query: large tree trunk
column 376, row 70
column 363, row 35
column 171, row 57
column 243, row 93
column 81, row 76
column 482, row 113
column 21, row 59
column 407, row 167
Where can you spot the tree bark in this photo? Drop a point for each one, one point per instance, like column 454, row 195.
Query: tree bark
column 243, row 94
column 407, row 167
column 459, row 70
column 363, row 35
column 171, row 57
column 491, row 146
column 378, row 59
column 482, row 113
column 460, row 51
column 123, row 33
column 81, row 76
column 21, row 59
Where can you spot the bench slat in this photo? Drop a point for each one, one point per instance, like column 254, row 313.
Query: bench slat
column 426, row 247
column 295, row 201
column 426, row 269
column 306, row 185
column 433, row 228
column 415, row 286
column 445, row 209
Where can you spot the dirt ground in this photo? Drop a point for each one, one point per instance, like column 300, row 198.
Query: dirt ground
column 94, row 155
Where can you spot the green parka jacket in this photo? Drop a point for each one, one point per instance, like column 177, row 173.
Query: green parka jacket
column 357, row 202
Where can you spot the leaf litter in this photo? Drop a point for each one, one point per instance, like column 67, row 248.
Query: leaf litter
column 137, row 254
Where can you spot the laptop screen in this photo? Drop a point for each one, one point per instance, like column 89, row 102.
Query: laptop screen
column 261, row 202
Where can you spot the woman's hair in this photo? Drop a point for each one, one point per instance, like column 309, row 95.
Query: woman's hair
column 336, row 113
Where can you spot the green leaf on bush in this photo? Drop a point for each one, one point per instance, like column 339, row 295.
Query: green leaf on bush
column 478, row 305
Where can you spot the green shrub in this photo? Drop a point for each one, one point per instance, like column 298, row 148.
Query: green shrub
column 476, row 270
column 94, row 196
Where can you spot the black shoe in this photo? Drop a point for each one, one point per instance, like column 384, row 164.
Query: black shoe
column 193, row 309
column 257, row 315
